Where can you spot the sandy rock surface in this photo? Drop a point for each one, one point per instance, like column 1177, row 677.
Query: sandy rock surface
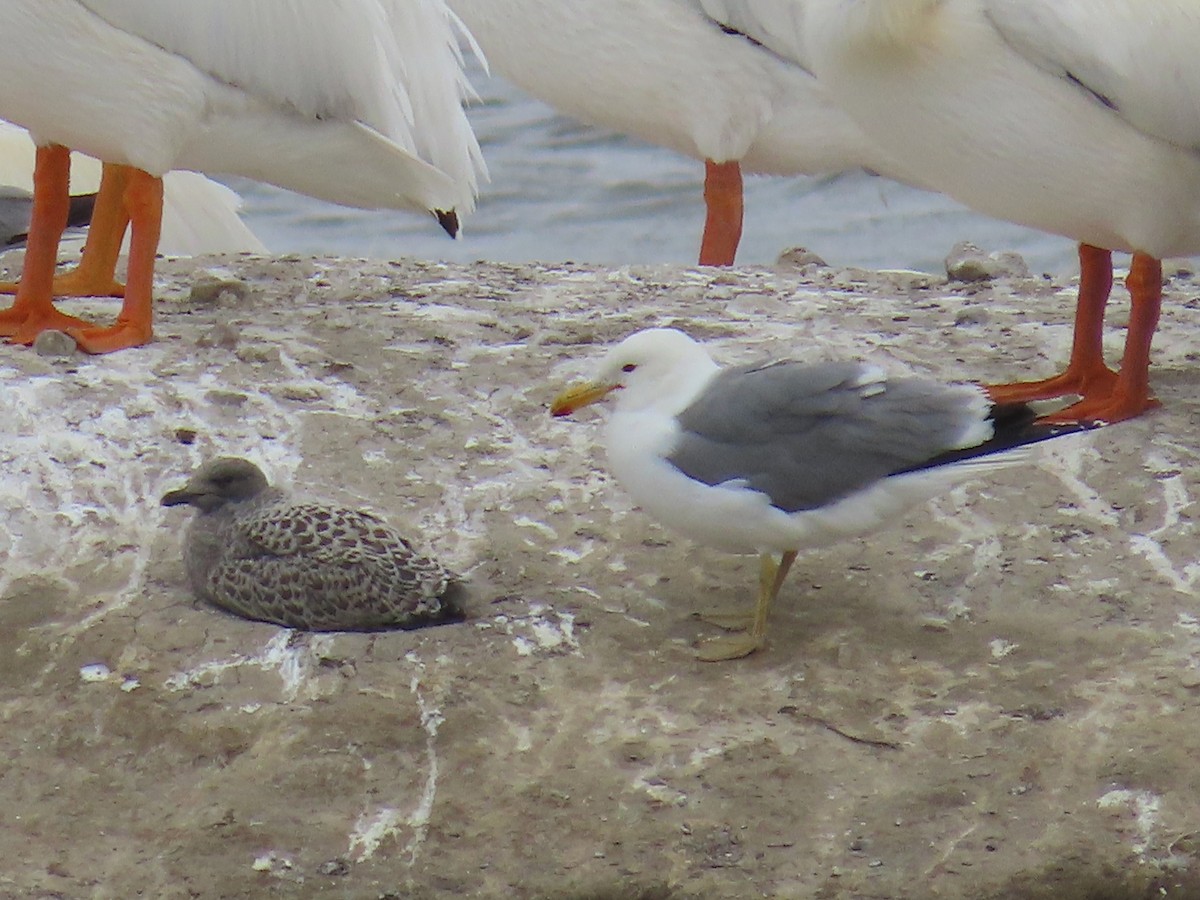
column 997, row 698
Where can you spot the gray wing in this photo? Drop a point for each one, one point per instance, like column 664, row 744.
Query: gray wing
column 807, row 435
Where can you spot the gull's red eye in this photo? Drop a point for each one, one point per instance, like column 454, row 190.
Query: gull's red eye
column 628, row 367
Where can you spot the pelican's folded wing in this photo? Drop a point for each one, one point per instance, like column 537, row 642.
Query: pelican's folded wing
column 1137, row 58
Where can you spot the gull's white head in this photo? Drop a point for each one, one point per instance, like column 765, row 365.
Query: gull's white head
column 660, row 368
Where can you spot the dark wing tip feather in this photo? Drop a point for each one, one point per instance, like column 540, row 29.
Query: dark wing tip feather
column 1015, row 425
column 448, row 220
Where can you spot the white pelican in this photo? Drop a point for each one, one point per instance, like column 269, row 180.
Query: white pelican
column 199, row 215
column 679, row 74
column 1078, row 117
column 356, row 102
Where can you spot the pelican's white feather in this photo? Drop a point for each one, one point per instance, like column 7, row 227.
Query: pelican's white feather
column 427, row 36
column 324, row 60
column 1077, row 117
column 302, row 95
column 776, row 24
column 199, row 215
column 674, row 73
column 407, row 84
column 1140, row 59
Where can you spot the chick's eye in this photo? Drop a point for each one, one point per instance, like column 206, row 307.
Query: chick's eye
column 628, row 367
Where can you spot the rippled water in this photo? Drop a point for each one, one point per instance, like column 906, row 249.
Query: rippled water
column 562, row 191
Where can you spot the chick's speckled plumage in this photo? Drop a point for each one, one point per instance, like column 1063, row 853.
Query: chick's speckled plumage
column 254, row 552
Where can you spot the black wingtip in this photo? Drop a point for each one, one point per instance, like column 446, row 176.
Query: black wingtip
column 1013, row 425
column 1016, row 424
column 448, row 219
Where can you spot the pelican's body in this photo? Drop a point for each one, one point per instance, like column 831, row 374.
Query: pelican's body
column 675, row 73
column 266, row 92
column 1078, row 117
column 199, row 215
column 325, row 99
column 1062, row 116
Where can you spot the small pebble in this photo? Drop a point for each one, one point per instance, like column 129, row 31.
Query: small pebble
column 226, row 398
column 255, row 353
column 335, row 866
column 302, row 393
column 218, row 291
column 971, row 316
column 222, row 335
column 56, row 344
column 799, row 258
column 94, row 672
column 968, row 263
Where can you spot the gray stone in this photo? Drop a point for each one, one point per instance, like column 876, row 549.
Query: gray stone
column 566, row 716
column 967, row 263
column 55, row 344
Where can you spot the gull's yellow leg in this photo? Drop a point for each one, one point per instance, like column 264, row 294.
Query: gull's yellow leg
column 770, row 580
column 95, row 276
column 143, row 202
column 742, row 620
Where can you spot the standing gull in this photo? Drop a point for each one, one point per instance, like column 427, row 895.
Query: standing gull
column 255, row 553
column 779, row 457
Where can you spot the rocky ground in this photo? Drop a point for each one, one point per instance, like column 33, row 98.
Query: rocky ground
column 997, row 698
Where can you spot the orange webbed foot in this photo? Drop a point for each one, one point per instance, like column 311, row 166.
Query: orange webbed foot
column 1117, row 407
column 24, row 328
column 122, row 335
column 1097, row 381
column 76, row 283
column 82, row 283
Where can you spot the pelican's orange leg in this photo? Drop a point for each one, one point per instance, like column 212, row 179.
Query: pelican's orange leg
column 95, row 276
column 1129, row 394
column 143, row 203
column 1086, row 374
column 723, row 223
column 33, row 309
